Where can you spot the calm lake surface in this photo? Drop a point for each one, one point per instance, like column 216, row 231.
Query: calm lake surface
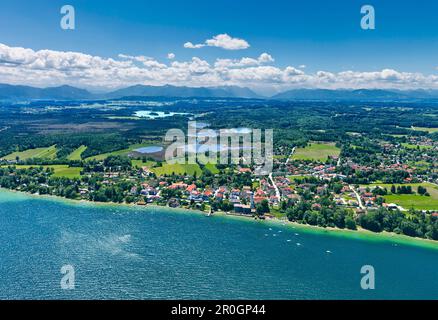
column 149, row 253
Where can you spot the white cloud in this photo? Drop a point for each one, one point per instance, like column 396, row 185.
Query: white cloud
column 189, row 45
column 171, row 56
column 223, row 41
column 244, row 62
column 50, row 68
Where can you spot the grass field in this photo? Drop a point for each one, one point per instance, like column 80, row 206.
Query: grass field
column 413, row 146
column 298, row 178
column 415, row 201
column 316, row 151
column 61, row 170
column 76, row 155
column 103, row 156
column 430, row 130
column 139, row 164
column 212, row 168
column 181, row 169
column 41, row 153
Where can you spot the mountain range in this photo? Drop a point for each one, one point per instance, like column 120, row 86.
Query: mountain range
column 356, row 95
column 19, row 92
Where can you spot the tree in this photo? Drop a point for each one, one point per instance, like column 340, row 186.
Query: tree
column 262, row 207
column 421, row 190
column 350, row 223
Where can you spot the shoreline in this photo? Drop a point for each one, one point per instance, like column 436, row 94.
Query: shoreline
column 359, row 234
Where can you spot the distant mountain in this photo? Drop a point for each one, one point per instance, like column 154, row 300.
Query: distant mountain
column 17, row 92
column 356, row 95
column 12, row 92
column 183, row 92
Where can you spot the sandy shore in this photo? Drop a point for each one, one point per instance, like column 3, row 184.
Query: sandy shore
column 359, row 234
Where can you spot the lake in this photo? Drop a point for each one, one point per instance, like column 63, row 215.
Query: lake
column 157, row 114
column 149, row 150
column 157, row 253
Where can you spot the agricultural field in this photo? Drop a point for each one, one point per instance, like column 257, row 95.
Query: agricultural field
column 168, row 169
column 118, row 152
column 429, row 130
column 76, row 155
column 212, row 168
column 317, row 152
column 60, row 171
column 38, row 153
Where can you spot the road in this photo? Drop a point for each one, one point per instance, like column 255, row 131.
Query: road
column 277, row 191
column 291, row 154
column 359, row 200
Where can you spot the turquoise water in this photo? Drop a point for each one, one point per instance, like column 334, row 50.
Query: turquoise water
column 147, row 253
column 148, row 150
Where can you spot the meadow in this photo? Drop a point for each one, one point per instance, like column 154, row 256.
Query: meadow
column 180, row 169
column 123, row 152
column 77, row 154
column 317, row 152
column 429, row 130
column 413, row 146
column 415, row 201
column 60, row 170
column 40, row 153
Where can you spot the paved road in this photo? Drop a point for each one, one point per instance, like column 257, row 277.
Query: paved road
column 359, row 200
column 277, row 192
column 291, row 154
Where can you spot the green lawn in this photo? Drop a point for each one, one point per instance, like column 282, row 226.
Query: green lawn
column 61, row 170
column 76, row 155
column 316, row 151
column 415, row 201
column 40, row 153
column 298, row 178
column 139, row 164
column 181, row 169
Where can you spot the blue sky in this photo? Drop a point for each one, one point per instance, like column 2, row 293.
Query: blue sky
column 322, row 35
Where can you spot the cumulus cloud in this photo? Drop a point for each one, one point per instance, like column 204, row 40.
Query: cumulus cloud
column 244, row 62
column 50, row 68
column 189, row 45
column 171, row 56
column 223, row 41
